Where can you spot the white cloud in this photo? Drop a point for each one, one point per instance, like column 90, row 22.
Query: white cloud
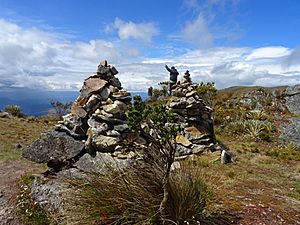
column 127, row 30
column 35, row 59
column 293, row 58
column 268, row 52
column 197, row 33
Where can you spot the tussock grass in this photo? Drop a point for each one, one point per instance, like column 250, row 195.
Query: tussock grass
column 134, row 196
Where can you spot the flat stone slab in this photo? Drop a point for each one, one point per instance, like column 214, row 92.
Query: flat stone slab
column 101, row 163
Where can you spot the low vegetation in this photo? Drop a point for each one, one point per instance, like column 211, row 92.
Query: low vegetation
column 14, row 110
column 31, row 212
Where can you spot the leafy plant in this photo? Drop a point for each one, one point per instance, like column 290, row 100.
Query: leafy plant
column 207, row 92
column 14, row 110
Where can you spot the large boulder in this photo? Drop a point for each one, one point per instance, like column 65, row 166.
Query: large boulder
column 291, row 132
column 53, row 147
column 293, row 99
column 101, row 163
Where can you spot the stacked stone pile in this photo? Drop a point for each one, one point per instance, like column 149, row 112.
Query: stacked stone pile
column 97, row 124
column 194, row 117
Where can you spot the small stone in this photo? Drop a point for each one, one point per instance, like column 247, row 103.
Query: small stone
column 109, row 101
column 225, row 157
column 115, row 82
column 194, row 133
column 105, row 93
column 179, row 105
column 114, row 71
column 113, row 133
column 78, row 111
column 116, row 107
column 180, row 139
column 121, row 128
column 92, row 103
column 104, row 63
column 105, row 143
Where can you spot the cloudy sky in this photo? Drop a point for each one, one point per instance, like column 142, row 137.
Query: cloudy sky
column 55, row 44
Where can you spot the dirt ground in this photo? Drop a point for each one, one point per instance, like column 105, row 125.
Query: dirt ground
column 10, row 173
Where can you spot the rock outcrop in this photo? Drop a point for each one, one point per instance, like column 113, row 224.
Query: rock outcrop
column 290, row 132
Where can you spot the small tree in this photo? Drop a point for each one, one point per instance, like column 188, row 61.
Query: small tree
column 61, row 108
column 156, row 123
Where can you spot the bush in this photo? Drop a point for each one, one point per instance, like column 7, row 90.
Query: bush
column 14, row 110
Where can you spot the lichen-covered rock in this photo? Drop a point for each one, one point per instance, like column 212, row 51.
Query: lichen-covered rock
column 105, row 143
column 53, row 146
column 293, row 99
column 291, row 132
column 101, row 163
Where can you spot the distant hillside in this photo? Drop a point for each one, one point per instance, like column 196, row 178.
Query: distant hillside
column 240, row 90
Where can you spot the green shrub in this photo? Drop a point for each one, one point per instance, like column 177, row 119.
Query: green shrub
column 265, row 136
column 14, row 110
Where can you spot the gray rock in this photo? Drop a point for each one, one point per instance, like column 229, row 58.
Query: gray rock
column 53, row 146
column 291, row 132
column 182, row 151
column 4, row 115
column 92, row 85
column 93, row 103
column 293, row 99
column 116, row 107
column 48, row 193
column 113, row 133
column 198, row 149
column 73, row 174
column 101, row 163
column 111, row 120
column 114, row 71
column 115, row 82
column 105, row 143
column 226, row 157
column 121, row 128
column 179, row 105
column 105, row 94
column 97, row 127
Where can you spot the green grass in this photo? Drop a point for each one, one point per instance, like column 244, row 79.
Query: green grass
column 21, row 131
column 295, row 191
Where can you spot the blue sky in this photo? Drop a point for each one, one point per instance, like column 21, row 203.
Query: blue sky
column 55, row 44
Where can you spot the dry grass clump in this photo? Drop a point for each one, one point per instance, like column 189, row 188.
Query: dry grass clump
column 134, row 196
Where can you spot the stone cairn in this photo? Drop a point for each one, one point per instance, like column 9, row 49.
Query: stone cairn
column 95, row 127
column 194, row 116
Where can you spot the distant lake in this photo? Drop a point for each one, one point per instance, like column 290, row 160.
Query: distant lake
column 37, row 102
